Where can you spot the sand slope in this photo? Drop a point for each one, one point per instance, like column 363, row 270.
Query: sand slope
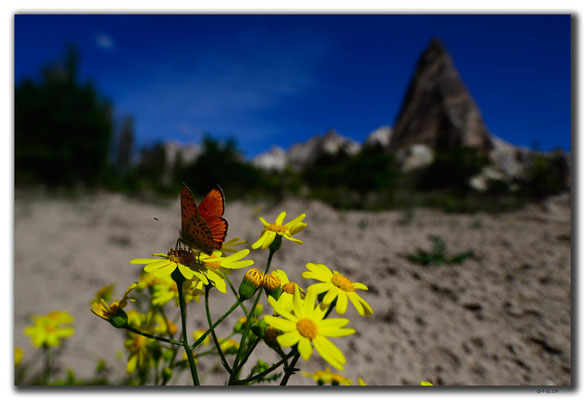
column 502, row 318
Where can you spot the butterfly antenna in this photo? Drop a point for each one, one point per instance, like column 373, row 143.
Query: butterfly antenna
column 168, row 223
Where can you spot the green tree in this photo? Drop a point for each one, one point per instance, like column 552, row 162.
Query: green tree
column 62, row 128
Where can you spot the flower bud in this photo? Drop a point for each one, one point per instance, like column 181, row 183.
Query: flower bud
column 230, row 346
column 252, row 280
column 272, row 285
column 275, row 245
column 119, row 318
column 239, row 326
column 270, row 337
column 259, row 329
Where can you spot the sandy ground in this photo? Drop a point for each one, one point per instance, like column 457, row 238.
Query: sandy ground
column 502, row 318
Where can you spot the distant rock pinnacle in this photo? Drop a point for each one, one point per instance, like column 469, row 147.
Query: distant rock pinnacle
column 438, row 111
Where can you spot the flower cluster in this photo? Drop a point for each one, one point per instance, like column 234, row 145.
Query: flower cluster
column 297, row 324
column 48, row 330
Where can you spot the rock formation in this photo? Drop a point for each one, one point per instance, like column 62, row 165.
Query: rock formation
column 380, row 136
column 274, row 159
column 438, row 111
column 302, row 154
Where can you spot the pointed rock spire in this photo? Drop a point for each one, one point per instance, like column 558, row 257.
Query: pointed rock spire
column 437, row 110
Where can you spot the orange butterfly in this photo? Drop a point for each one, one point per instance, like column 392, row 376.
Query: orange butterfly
column 203, row 227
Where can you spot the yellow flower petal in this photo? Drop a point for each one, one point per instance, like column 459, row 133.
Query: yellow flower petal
column 289, row 339
column 157, row 265
column 296, row 228
column 282, row 275
column 280, row 218
column 263, row 221
column 358, row 285
column 333, row 323
column 309, row 304
column 318, row 272
column 331, row 295
column 144, row 260
column 341, row 306
column 281, row 309
column 237, row 256
column 260, row 240
column 279, row 323
column 297, row 303
column 165, row 271
column 324, row 348
column 321, row 287
column 268, row 239
column 336, row 332
column 296, row 220
column 305, row 348
column 292, row 239
column 362, row 307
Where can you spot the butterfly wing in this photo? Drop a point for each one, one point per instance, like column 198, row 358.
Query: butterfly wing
column 202, row 227
column 211, row 210
column 196, row 233
column 188, row 205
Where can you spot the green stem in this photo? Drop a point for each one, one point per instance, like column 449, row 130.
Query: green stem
column 213, row 335
column 235, row 292
column 47, row 372
column 291, row 369
column 148, row 335
column 228, row 312
column 249, row 320
column 213, row 351
column 263, row 373
column 247, row 355
column 179, row 279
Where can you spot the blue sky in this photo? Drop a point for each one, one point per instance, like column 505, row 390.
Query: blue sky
column 279, row 79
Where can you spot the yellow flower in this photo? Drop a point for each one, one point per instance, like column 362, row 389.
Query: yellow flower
column 425, row 383
column 166, row 264
column 136, row 319
column 197, row 334
column 324, row 377
column 114, row 310
column 18, row 354
column 213, row 266
column 361, row 381
column 307, row 327
column 146, row 280
column 48, row 330
column 163, row 326
column 286, row 297
column 337, row 286
column 287, row 231
column 165, row 290
column 139, row 354
column 229, row 346
column 226, row 246
column 105, row 293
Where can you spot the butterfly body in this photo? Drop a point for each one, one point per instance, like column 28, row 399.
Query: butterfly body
column 202, row 227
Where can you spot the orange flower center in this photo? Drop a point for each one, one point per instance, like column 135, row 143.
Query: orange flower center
column 180, row 256
column 307, row 328
column 289, row 287
column 277, row 228
column 342, row 282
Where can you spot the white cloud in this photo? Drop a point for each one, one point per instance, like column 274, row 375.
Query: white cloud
column 104, row 41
